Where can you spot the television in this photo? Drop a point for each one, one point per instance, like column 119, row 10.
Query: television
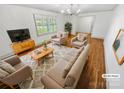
column 18, row 34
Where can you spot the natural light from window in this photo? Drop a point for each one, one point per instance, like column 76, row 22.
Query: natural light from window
column 45, row 24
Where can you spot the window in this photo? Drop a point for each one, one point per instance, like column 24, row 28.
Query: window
column 45, row 24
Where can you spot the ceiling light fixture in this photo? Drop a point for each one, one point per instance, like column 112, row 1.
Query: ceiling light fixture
column 71, row 10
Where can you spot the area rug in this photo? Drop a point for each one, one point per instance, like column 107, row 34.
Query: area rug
column 38, row 71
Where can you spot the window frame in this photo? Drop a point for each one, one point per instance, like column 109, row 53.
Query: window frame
column 48, row 24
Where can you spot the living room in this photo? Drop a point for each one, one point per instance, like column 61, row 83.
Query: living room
column 48, row 53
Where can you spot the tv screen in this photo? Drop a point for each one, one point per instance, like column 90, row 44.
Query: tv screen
column 18, row 34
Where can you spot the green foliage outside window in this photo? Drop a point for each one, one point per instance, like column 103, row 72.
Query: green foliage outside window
column 45, row 24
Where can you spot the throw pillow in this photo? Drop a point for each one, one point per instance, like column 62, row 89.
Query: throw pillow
column 59, row 34
column 3, row 73
column 7, row 67
column 81, row 37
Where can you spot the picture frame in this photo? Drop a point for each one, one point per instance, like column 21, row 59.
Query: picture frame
column 118, row 47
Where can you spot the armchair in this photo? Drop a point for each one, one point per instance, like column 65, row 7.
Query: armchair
column 22, row 72
column 60, row 38
column 79, row 40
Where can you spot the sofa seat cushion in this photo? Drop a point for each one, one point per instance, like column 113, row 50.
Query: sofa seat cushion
column 56, row 72
column 72, row 51
column 71, row 55
column 68, row 57
column 3, row 73
column 7, row 67
column 18, row 66
column 78, row 43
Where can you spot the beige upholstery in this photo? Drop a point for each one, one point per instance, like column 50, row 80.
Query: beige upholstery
column 50, row 83
column 54, row 77
column 71, row 58
column 81, row 37
column 78, row 43
column 18, row 66
column 7, row 67
column 22, row 72
column 67, row 69
column 56, row 73
column 3, row 73
column 77, row 68
column 79, row 40
column 69, row 81
column 13, row 60
column 60, row 38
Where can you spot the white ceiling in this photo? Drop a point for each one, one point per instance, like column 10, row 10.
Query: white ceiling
column 85, row 8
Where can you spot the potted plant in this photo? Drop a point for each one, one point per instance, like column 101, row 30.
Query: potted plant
column 68, row 27
column 45, row 44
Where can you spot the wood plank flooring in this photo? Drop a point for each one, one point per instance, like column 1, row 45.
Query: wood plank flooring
column 91, row 77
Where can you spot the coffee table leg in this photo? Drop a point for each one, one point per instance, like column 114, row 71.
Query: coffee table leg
column 42, row 60
column 38, row 62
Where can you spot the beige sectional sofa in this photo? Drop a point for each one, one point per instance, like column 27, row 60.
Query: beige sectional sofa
column 58, row 78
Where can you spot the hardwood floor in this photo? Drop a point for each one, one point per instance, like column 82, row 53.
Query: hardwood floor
column 91, row 77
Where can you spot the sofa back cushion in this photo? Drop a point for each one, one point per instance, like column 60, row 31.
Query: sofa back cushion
column 77, row 68
column 3, row 73
column 7, row 67
column 13, row 60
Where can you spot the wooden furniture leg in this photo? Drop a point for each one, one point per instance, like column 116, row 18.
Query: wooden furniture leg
column 38, row 62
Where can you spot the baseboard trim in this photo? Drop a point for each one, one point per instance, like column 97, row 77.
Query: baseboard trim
column 106, row 66
column 98, row 38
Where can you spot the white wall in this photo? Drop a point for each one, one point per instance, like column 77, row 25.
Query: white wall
column 101, row 23
column 17, row 17
column 112, row 66
column 85, row 24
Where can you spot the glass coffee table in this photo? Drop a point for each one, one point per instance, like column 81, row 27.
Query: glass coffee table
column 40, row 54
